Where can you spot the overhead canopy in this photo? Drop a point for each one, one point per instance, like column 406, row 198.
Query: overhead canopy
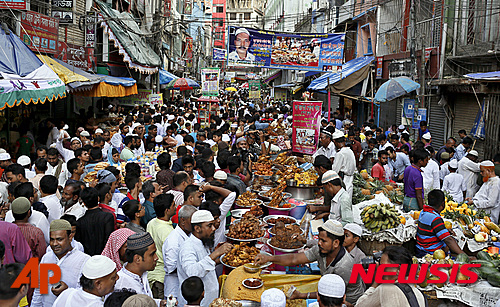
column 488, row 76
column 166, row 77
column 128, row 39
column 183, row 84
column 73, row 77
column 352, row 73
column 112, row 87
column 23, row 77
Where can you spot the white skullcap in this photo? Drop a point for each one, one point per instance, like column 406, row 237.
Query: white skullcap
column 281, row 116
column 24, row 160
column 234, row 125
column 329, row 176
column 331, row 285
column 110, row 106
column 66, row 127
column 158, row 139
column 201, row 216
column 453, row 164
column 75, row 139
column 242, row 30
column 53, row 145
column 98, row 266
column 273, row 298
column 221, row 175
column 333, row 227
column 426, row 136
column 85, row 133
column 226, row 138
column 189, row 148
column 171, row 117
column 354, row 228
column 487, row 163
column 98, row 130
column 337, row 134
column 368, row 129
column 135, row 125
column 401, row 127
column 473, row 153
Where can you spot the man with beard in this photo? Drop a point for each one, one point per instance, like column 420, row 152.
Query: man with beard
column 127, row 152
column 56, row 167
column 195, row 258
column 118, row 138
column 487, row 196
column 68, row 154
column 332, row 258
column 69, row 200
column 141, row 257
column 242, row 42
column 378, row 170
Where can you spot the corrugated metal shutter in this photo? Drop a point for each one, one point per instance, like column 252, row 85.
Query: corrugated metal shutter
column 399, row 111
column 465, row 108
column 437, row 122
column 492, row 142
column 387, row 114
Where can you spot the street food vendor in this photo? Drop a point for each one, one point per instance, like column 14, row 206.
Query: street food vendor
column 332, row 258
column 431, row 232
column 487, row 196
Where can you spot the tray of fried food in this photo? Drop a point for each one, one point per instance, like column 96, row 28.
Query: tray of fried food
column 286, row 240
column 256, row 211
column 90, row 177
column 240, row 254
column 246, row 229
column 224, row 302
column 293, row 228
column 248, row 199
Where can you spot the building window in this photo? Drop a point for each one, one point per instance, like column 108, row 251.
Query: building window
column 240, row 17
column 220, row 9
column 218, row 22
column 232, row 16
column 248, row 16
column 219, row 35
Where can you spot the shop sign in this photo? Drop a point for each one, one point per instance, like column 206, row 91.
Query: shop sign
column 210, row 81
column 74, row 55
column 306, row 125
column 380, row 64
column 90, row 29
column 63, row 10
column 13, row 4
column 141, row 98
column 39, row 32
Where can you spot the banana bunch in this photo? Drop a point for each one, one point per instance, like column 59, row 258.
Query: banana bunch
column 379, row 217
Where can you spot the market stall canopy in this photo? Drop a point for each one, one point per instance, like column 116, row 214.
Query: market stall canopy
column 352, row 73
column 231, row 89
column 395, row 88
column 129, row 39
column 23, row 77
column 74, row 78
column 486, row 76
column 183, row 84
column 166, row 77
column 208, row 99
column 112, row 87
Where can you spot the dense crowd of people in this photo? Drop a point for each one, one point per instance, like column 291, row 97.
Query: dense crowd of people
column 125, row 239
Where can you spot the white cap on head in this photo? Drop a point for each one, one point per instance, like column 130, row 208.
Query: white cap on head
column 53, row 145
column 354, row 228
column 453, row 164
column 401, row 127
column 98, row 266
column 158, row 139
column 473, row 153
column 226, row 138
column 333, row 227
column 273, row 298
column 426, row 136
column 66, row 127
column 24, row 160
column 331, row 285
column 234, row 125
column 368, row 128
column 75, row 139
column 201, row 216
column 487, row 163
column 98, row 130
column 171, row 117
column 241, row 30
column 134, row 125
column 337, row 134
column 221, row 175
column 85, row 133
column 329, row 176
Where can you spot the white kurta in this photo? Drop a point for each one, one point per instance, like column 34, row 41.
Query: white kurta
column 329, row 152
column 443, row 170
column 470, row 170
column 345, row 162
column 139, row 284
column 78, row 297
column 53, row 206
column 36, row 219
column 170, row 250
column 454, row 185
column 430, row 174
column 224, row 209
column 194, row 260
column 487, row 198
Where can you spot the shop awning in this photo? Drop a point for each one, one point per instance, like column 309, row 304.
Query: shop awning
column 352, row 73
column 487, row 76
column 275, row 73
column 73, row 77
column 166, row 77
column 208, row 99
column 23, row 77
column 112, row 87
column 124, row 31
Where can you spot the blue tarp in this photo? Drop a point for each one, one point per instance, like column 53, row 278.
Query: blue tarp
column 166, row 77
column 347, row 69
column 15, row 57
column 117, row 80
column 492, row 76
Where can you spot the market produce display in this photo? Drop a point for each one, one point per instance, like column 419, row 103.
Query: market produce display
column 245, row 229
column 240, row 254
column 380, row 217
column 365, row 186
column 306, row 178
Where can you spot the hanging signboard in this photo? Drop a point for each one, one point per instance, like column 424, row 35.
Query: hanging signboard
column 39, row 32
column 140, row 98
column 90, row 29
column 188, row 7
column 306, row 125
column 63, row 10
column 13, row 4
column 210, row 81
column 219, row 54
column 74, row 55
column 408, row 107
column 189, row 47
column 259, row 48
column 254, row 89
column 230, row 76
column 380, row 65
column 156, row 99
column 420, row 114
column 477, row 130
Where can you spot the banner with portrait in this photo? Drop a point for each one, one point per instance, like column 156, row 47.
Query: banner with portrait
column 254, row 89
column 210, row 81
column 306, row 125
column 268, row 49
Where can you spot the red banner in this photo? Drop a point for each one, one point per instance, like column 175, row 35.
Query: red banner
column 189, row 48
column 74, row 55
column 13, row 4
column 167, row 8
column 306, row 124
column 39, row 32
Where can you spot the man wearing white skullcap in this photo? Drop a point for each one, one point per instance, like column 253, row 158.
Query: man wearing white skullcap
column 273, row 298
column 453, row 183
column 242, row 41
column 469, row 168
column 331, row 291
column 353, row 234
column 98, row 279
column 488, row 195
